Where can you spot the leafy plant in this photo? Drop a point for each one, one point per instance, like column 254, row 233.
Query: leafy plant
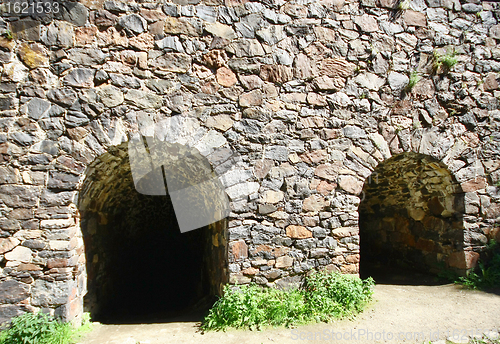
column 8, row 34
column 322, row 297
column 404, row 5
column 488, row 275
column 446, row 61
column 40, row 328
column 414, row 79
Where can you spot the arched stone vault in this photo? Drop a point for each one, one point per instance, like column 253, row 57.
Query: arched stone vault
column 293, row 106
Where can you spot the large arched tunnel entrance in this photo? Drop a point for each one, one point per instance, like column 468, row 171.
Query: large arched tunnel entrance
column 140, row 267
column 410, row 217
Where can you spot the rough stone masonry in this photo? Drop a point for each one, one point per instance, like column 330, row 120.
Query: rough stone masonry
column 310, row 96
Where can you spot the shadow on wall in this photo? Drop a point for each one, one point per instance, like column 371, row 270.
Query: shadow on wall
column 411, row 217
column 140, row 267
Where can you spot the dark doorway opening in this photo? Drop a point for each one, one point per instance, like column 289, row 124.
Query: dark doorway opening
column 410, row 221
column 140, row 267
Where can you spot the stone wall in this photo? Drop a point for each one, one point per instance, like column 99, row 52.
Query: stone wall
column 293, row 103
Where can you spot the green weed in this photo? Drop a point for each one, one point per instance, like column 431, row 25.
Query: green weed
column 414, row 79
column 446, row 61
column 488, row 274
column 322, row 297
column 41, row 328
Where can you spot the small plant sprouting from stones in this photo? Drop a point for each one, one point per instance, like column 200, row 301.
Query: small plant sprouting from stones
column 446, row 61
column 8, row 34
column 404, row 5
column 414, row 79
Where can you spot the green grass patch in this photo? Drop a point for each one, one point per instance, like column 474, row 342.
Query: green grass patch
column 41, row 328
column 322, row 297
column 487, row 275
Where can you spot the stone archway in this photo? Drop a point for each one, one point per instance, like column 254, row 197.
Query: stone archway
column 411, row 216
column 138, row 260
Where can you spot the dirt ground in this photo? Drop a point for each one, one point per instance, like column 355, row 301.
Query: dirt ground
column 399, row 314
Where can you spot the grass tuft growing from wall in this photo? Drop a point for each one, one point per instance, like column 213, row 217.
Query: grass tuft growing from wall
column 322, row 297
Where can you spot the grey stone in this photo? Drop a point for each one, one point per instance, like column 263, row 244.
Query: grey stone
column 86, row 56
column 207, row 13
column 59, row 33
column 62, row 181
column 171, row 43
column 62, row 96
column 120, row 80
column 116, row 6
column 75, row 119
column 279, row 153
column 37, row 108
column 22, row 138
column 397, row 81
column 8, row 175
column 7, row 312
column 173, row 62
column 50, row 198
column 246, row 47
column 354, row 132
column 74, row 13
column 133, row 22
column 272, row 34
column 143, row 100
column 80, row 77
column 46, row 294
column 13, row 291
column 472, row 8
column 249, row 126
column 170, row 10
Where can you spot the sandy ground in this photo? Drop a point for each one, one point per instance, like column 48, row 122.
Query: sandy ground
column 399, row 314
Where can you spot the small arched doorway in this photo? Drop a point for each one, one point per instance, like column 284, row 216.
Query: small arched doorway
column 410, row 217
column 140, row 266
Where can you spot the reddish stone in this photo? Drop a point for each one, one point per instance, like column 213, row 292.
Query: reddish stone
column 284, row 262
column 250, row 271
column 152, row 15
column 325, row 188
column 276, row 73
column 215, row 58
column 298, row 232
column 351, row 184
column 85, row 35
column 281, row 251
column 413, row 18
column 314, row 157
column 463, row 260
column 491, row 82
column 353, row 258
column 328, row 134
column 262, row 168
column 145, row 41
column 28, row 267
column 425, row 245
column 226, row 77
column 239, row 249
column 350, row 269
column 210, row 87
column 493, row 211
column 253, row 98
column 327, row 171
column 477, row 183
column 316, row 99
column 314, row 203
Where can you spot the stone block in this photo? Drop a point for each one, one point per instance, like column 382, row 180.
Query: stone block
column 298, row 232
